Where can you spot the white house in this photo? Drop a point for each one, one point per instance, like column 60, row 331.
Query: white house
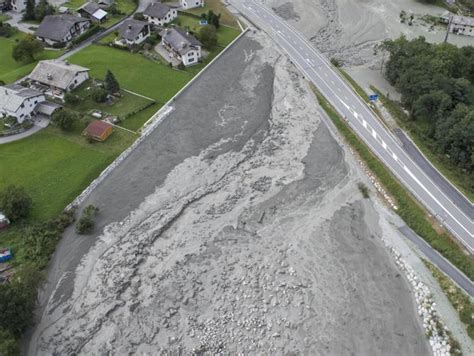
column 61, row 28
column 182, row 46
column 462, row 25
column 19, row 102
column 159, row 14
column 133, row 32
column 191, row 4
column 57, row 77
column 18, row 5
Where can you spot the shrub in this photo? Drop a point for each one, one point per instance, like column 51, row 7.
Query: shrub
column 15, row 202
column 85, row 225
column 336, row 62
column 26, row 50
column 8, row 343
column 364, row 190
column 181, row 66
column 99, row 95
column 72, row 99
column 208, row 36
column 64, row 119
column 6, row 30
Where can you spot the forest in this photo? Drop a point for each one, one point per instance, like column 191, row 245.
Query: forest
column 436, row 83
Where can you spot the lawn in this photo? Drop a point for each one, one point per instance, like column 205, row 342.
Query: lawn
column 4, row 17
column 54, row 167
column 10, row 70
column 216, row 5
column 225, row 34
column 133, row 71
column 126, row 104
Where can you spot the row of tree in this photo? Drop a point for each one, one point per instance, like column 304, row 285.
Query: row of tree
column 37, row 12
column 436, row 82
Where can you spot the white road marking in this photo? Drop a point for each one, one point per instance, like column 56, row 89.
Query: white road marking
column 374, row 134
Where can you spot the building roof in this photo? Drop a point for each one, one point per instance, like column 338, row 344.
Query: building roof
column 56, row 73
column 93, row 9
column 56, row 27
column 47, row 108
column 463, row 20
column 13, row 95
column 97, row 128
column 157, row 10
column 179, row 40
column 131, row 28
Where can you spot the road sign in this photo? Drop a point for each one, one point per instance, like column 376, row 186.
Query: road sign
column 373, row 97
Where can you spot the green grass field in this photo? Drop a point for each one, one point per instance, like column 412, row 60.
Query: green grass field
column 218, row 8
column 133, row 71
column 10, row 70
column 126, row 104
column 54, row 167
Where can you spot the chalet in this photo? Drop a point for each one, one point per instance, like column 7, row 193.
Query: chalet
column 55, row 77
column 98, row 130
column 160, row 14
column 191, row 4
column 93, row 12
column 19, row 102
column 61, row 28
column 462, row 25
column 182, row 46
column 133, row 32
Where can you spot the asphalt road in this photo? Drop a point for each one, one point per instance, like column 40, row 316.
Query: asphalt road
column 362, row 120
column 457, row 197
column 435, row 258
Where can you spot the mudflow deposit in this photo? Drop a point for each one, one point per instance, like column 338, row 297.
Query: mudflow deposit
column 257, row 240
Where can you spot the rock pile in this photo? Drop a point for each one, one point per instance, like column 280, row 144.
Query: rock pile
column 435, row 330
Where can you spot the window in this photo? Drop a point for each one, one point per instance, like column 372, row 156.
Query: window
column 191, row 60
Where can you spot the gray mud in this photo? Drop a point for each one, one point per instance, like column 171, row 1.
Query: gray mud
column 237, row 227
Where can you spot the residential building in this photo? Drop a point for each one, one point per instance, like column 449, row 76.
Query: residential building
column 55, row 77
column 19, row 102
column 191, row 4
column 93, row 12
column 133, row 32
column 18, row 5
column 98, row 130
column 61, row 28
column 160, row 14
column 462, row 25
column 105, row 3
column 182, row 45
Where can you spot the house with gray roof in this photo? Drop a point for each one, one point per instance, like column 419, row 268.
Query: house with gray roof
column 181, row 45
column 133, row 32
column 160, row 14
column 462, row 25
column 55, row 77
column 191, row 4
column 91, row 10
column 19, row 102
column 61, row 28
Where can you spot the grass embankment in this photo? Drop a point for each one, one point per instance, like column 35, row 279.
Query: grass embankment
column 408, row 208
column 460, row 301
column 462, row 180
column 11, row 70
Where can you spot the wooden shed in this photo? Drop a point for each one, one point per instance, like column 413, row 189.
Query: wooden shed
column 98, row 130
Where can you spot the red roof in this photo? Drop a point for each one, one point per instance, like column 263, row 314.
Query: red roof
column 97, row 128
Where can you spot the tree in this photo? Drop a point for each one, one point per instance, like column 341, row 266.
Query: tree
column 8, row 343
column 72, row 99
column 212, row 18
column 138, row 16
column 26, row 50
column 99, row 95
column 111, row 84
column 42, row 9
column 64, row 119
column 29, row 10
column 15, row 202
column 6, row 30
column 208, row 36
column 85, row 225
